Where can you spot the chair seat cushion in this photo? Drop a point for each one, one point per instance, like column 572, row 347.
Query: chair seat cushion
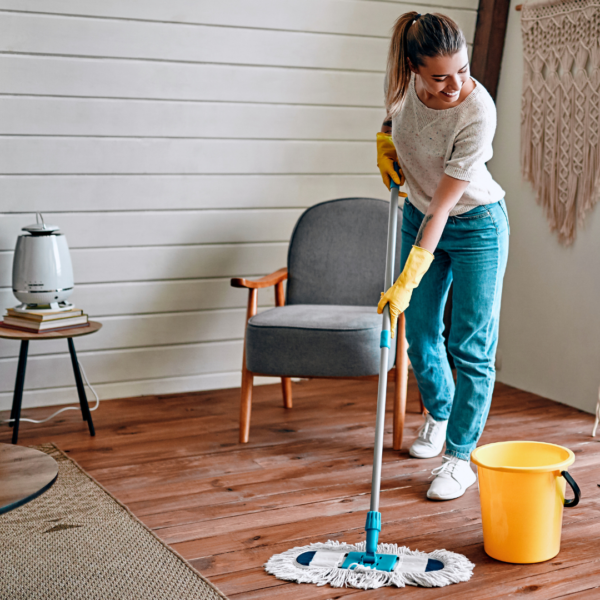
column 315, row 340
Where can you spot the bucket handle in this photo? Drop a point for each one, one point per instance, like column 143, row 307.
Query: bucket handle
column 574, row 487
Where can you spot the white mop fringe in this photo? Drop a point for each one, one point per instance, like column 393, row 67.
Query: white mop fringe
column 457, row 568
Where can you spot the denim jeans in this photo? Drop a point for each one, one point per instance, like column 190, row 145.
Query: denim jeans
column 472, row 253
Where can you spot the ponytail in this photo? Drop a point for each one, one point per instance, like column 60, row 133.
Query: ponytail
column 414, row 38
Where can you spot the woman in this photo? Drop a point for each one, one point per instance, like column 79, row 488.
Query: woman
column 439, row 129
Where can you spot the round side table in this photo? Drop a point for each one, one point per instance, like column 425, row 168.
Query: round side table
column 25, row 473
column 26, row 337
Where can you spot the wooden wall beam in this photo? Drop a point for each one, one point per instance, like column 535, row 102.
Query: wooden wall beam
column 490, row 32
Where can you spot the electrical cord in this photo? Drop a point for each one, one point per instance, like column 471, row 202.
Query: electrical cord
column 66, row 407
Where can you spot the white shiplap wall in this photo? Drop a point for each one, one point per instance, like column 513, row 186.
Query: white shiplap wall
column 176, row 143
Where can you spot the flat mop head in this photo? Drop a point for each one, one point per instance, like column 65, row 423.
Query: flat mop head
column 343, row 565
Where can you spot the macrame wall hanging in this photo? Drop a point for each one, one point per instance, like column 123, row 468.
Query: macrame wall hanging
column 560, row 109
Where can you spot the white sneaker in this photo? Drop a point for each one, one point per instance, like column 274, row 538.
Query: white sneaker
column 452, row 479
column 431, row 438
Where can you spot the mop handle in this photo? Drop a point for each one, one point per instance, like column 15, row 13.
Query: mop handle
column 385, row 344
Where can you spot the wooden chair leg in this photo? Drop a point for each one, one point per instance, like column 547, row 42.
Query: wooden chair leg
column 401, row 388
column 247, row 376
column 246, row 404
column 286, row 386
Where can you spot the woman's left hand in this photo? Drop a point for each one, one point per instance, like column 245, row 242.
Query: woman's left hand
column 398, row 296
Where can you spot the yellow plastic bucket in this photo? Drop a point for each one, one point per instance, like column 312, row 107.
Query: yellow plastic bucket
column 522, row 493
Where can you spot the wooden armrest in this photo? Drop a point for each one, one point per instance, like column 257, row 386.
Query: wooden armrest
column 263, row 282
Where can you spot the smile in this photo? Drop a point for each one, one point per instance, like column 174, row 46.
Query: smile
column 451, row 95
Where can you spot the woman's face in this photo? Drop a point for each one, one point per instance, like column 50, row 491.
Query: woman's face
column 442, row 77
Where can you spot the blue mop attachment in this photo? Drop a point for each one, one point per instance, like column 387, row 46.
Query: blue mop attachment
column 344, row 565
column 370, row 558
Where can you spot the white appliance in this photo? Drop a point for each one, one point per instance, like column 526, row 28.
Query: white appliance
column 42, row 275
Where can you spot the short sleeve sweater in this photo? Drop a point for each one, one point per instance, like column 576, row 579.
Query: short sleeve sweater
column 456, row 141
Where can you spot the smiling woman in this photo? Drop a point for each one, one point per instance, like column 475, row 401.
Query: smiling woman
column 439, row 129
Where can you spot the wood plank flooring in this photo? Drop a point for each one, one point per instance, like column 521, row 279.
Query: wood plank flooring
column 305, row 476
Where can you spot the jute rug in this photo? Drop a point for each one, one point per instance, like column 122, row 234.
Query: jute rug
column 77, row 542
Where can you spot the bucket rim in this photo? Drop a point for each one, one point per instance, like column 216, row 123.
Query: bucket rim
column 560, row 466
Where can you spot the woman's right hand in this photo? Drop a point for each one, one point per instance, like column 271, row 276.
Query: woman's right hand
column 386, row 157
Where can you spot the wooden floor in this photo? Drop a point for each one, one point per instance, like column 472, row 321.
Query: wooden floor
column 305, row 476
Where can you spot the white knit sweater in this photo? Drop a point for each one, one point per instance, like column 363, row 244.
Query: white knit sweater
column 456, row 141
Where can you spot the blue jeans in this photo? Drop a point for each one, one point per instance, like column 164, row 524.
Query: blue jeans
column 472, row 253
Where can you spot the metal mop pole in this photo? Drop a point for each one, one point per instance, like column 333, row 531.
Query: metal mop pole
column 373, row 526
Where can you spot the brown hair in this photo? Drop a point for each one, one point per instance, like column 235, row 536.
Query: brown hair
column 414, row 38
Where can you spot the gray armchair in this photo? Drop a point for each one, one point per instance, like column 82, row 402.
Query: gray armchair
column 329, row 326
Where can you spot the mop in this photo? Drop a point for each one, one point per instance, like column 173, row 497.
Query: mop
column 369, row 565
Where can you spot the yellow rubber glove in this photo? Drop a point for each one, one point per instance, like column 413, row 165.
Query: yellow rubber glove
column 398, row 296
column 386, row 157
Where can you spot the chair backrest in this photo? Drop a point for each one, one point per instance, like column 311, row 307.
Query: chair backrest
column 337, row 253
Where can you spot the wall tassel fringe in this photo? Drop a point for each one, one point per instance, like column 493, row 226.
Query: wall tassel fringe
column 560, row 109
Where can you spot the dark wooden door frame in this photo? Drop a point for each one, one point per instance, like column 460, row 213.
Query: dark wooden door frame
column 490, row 33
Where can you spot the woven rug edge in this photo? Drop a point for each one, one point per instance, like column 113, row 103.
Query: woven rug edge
column 124, row 507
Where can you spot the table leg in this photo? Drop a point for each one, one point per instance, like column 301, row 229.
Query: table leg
column 85, row 409
column 15, row 413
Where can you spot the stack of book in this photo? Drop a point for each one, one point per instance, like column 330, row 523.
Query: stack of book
column 42, row 321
